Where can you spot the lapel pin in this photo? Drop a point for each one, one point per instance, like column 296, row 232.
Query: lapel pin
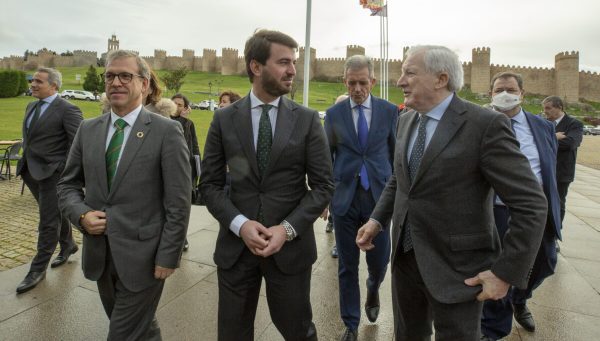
column 140, row 134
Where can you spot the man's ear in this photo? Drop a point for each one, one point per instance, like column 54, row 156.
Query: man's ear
column 255, row 67
column 442, row 81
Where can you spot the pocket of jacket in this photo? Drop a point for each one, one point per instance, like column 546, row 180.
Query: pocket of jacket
column 149, row 231
column 471, row 241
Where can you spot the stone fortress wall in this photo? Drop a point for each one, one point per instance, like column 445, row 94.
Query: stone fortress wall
column 564, row 80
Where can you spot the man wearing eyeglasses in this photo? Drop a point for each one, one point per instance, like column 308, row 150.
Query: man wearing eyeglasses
column 134, row 166
column 49, row 127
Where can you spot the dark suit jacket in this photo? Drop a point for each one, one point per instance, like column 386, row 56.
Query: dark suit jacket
column 449, row 205
column 148, row 205
column 545, row 140
column 46, row 146
column 348, row 156
column 299, row 152
column 567, row 148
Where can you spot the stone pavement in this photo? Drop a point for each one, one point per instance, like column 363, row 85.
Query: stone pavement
column 66, row 306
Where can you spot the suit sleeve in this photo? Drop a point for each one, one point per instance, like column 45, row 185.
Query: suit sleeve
column 195, row 149
column 509, row 173
column 319, row 174
column 176, row 176
column 331, row 140
column 212, row 179
column 71, row 198
column 574, row 136
column 71, row 120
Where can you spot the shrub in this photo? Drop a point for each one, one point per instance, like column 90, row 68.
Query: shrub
column 23, row 84
column 9, row 83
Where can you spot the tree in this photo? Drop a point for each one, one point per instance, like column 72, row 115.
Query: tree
column 174, row 79
column 91, row 80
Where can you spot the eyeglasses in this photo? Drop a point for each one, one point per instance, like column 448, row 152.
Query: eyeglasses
column 124, row 77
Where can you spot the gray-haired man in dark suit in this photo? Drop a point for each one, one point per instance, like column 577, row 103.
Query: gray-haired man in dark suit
column 49, row 127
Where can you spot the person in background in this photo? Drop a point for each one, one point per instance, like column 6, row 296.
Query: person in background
column 189, row 132
column 49, row 127
column 227, row 97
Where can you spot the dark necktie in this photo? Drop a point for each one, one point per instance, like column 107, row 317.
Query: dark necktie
column 363, row 132
column 265, row 139
column 36, row 115
column 413, row 166
column 114, row 149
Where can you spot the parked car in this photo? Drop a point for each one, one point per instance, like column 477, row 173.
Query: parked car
column 78, row 94
column 587, row 129
column 322, row 115
column 595, row 131
column 203, row 105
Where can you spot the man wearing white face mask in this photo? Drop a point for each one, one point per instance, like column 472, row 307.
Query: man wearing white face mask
column 537, row 143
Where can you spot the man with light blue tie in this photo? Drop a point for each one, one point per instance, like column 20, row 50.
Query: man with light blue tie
column 538, row 143
column 361, row 133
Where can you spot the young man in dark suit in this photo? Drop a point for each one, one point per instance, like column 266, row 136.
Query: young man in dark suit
column 569, row 133
column 48, row 130
column 450, row 155
column 361, row 132
column 280, row 173
column 538, row 144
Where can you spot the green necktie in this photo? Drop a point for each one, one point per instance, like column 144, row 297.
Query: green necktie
column 265, row 139
column 114, row 149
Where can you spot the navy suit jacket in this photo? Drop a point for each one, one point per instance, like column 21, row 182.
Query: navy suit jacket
column 545, row 140
column 347, row 155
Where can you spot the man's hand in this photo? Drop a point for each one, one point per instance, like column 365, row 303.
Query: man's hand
column 276, row 241
column 255, row 235
column 325, row 214
column 366, row 234
column 493, row 288
column 560, row 135
column 94, row 222
column 162, row 273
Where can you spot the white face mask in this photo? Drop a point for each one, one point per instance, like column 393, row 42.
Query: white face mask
column 505, row 101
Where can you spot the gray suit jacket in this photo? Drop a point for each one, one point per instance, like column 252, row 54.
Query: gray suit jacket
column 148, row 206
column 299, row 151
column 46, row 146
column 449, row 205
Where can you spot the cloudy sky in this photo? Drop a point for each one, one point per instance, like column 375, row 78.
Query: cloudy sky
column 519, row 32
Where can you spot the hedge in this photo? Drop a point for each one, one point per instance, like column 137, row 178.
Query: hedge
column 10, row 83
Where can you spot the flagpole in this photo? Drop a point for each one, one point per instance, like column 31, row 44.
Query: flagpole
column 307, row 55
column 381, row 84
column 387, row 50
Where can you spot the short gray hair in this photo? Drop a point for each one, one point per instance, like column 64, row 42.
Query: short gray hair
column 54, row 76
column 358, row 62
column 440, row 59
column 143, row 67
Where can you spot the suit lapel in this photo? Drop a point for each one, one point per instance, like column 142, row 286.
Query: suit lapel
column 562, row 125
column 139, row 132
column 28, row 113
column 49, row 112
column 242, row 121
column 286, row 120
column 404, row 132
column 451, row 121
column 350, row 127
column 375, row 120
column 98, row 147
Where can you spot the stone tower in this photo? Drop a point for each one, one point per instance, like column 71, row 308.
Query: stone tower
column 480, row 70
column 229, row 61
column 567, row 76
column 352, row 50
column 113, row 43
column 300, row 64
column 209, row 60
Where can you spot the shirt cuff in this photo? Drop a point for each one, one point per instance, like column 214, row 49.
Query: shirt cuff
column 378, row 223
column 236, row 224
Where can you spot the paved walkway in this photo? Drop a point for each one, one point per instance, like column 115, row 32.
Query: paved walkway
column 66, row 306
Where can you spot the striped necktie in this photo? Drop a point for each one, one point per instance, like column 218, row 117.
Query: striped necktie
column 114, row 150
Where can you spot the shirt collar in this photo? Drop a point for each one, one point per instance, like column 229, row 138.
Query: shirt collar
column 366, row 104
column 129, row 118
column 50, row 98
column 438, row 111
column 520, row 117
column 560, row 118
column 255, row 102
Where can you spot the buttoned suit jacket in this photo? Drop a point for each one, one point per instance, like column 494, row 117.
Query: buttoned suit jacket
column 46, row 145
column 567, row 148
column 299, row 156
column 348, row 156
column 546, row 143
column 449, row 203
column 148, row 204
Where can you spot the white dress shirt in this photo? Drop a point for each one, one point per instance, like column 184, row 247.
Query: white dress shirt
column 130, row 119
column 45, row 104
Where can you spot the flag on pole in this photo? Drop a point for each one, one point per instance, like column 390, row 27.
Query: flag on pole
column 371, row 4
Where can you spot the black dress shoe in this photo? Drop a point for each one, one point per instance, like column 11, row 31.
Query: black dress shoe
column 372, row 306
column 334, row 253
column 30, row 281
column 63, row 257
column 524, row 317
column 349, row 335
column 186, row 245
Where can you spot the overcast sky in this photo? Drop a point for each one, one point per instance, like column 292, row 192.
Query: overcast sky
column 519, row 32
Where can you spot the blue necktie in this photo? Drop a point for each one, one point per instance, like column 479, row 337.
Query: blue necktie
column 363, row 132
column 413, row 166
